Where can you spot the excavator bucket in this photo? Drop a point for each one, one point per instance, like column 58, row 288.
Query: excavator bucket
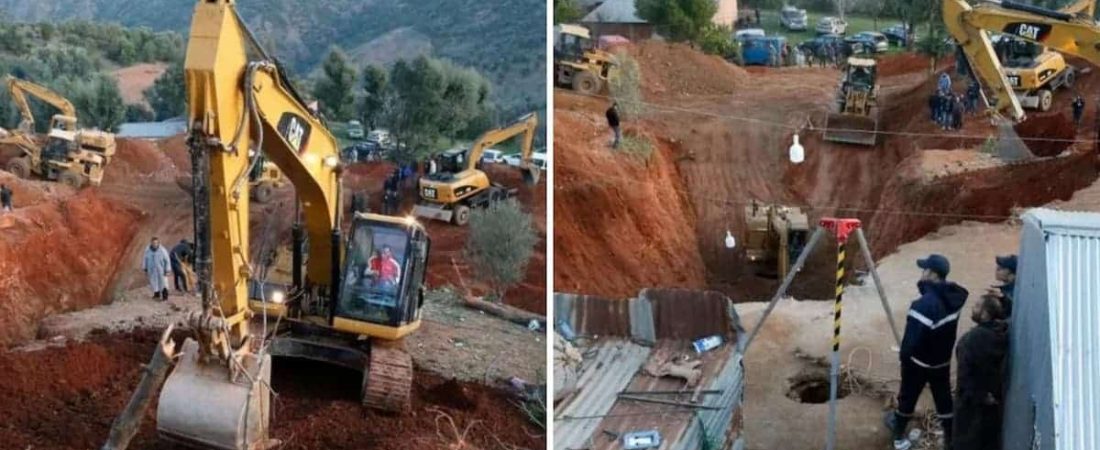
column 201, row 407
column 851, row 129
column 531, row 175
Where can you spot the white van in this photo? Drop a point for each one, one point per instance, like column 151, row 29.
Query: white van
column 831, row 25
column 793, row 19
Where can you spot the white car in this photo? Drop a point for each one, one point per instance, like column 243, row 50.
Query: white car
column 380, row 137
column 492, row 156
column 793, row 19
column 539, row 158
column 831, row 25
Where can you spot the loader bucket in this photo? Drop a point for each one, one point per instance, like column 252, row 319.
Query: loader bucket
column 200, row 407
column 851, row 129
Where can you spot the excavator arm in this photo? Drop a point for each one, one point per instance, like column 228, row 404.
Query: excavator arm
column 525, row 125
column 19, row 90
column 1070, row 31
column 240, row 106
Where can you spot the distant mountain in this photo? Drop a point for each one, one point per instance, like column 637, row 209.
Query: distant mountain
column 503, row 39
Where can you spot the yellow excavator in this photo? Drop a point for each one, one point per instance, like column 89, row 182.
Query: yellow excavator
column 69, row 155
column 1071, row 30
column 350, row 302
column 1035, row 72
column 459, row 185
column 776, row 236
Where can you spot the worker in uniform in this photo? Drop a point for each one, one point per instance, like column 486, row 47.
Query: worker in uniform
column 156, row 266
column 1078, row 110
column 1006, row 274
column 5, row 198
column 613, row 122
column 926, row 349
column 980, row 357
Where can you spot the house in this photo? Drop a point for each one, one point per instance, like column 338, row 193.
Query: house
column 618, row 17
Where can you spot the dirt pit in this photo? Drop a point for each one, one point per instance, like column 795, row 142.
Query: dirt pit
column 813, row 387
column 67, row 397
column 657, row 223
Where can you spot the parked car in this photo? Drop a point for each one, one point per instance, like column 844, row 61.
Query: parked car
column 823, row 41
column 871, row 41
column 741, row 35
column 897, row 34
column 361, row 151
column 492, row 156
column 380, row 137
column 793, row 19
column 537, row 157
column 759, row 51
column 355, row 130
column 831, row 25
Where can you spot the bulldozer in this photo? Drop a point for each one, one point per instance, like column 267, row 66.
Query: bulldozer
column 776, row 236
column 855, row 121
column 578, row 65
column 350, row 301
column 265, row 179
column 460, row 186
column 69, row 155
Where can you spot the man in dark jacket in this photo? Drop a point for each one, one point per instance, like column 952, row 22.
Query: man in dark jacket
column 613, row 122
column 973, row 95
column 926, row 348
column 1006, row 274
column 980, row 379
column 5, row 198
column 1078, row 110
column 181, row 254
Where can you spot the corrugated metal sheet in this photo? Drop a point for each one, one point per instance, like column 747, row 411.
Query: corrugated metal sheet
column 723, row 425
column 688, row 314
column 593, row 316
column 1053, row 398
column 602, row 377
column 641, row 321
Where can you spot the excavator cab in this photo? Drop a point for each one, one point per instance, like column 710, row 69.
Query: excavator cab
column 381, row 293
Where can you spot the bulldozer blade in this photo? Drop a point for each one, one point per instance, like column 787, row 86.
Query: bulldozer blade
column 851, row 129
column 200, row 407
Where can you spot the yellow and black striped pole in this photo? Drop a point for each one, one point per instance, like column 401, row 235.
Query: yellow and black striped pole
column 842, row 228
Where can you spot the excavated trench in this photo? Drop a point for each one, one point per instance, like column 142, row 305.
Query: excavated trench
column 623, row 224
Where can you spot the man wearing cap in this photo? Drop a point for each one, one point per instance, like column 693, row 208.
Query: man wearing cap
column 1006, row 273
column 927, row 347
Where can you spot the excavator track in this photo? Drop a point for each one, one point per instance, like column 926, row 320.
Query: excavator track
column 387, row 380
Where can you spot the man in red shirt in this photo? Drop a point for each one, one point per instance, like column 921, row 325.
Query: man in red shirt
column 384, row 268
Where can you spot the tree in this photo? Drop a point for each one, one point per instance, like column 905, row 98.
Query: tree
column 168, row 96
column 566, row 11
column 624, row 85
column 500, row 244
column 680, row 20
column 376, row 86
column 97, row 100
column 335, row 90
column 431, row 100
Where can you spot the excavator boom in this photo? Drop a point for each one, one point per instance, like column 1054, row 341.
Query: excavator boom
column 19, row 88
column 1070, row 30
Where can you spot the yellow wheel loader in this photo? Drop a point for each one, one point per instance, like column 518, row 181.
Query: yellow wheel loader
column 460, row 186
column 776, row 236
column 855, row 120
column 350, row 301
column 66, row 154
column 578, row 65
column 1034, row 72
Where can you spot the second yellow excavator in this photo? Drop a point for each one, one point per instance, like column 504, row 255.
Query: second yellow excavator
column 69, row 155
column 458, row 185
column 1071, row 30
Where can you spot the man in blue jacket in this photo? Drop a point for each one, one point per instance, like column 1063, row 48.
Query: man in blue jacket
column 926, row 350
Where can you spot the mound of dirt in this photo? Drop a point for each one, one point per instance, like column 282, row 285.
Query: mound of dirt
column 66, row 398
column 902, row 64
column 58, row 255
column 676, row 70
column 1047, row 134
column 136, row 158
column 619, row 223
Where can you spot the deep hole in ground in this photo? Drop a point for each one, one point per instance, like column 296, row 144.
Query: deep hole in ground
column 66, row 398
column 623, row 224
column 813, row 387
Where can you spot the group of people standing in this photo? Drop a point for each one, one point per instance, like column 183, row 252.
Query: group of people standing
column 158, row 262
column 949, row 108
column 971, row 420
